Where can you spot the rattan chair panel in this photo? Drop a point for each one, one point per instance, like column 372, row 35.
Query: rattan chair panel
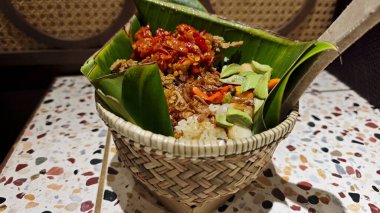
column 13, row 40
column 273, row 14
column 70, row 20
column 316, row 23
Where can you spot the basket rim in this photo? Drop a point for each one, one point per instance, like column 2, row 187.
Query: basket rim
column 194, row 149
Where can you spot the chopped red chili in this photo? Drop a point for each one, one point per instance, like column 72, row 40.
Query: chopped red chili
column 184, row 52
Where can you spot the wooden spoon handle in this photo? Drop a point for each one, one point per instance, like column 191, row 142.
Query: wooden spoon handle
column 359, row 17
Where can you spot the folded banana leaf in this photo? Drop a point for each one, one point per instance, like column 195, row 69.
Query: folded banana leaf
column 283, row 55
column 137, row 94
column 272, row 108
column 190, row 3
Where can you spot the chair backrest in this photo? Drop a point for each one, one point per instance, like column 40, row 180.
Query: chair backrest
column 296, row 19
column 67, row 31
column 38, row 25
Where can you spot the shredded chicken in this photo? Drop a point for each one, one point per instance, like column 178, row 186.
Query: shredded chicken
column 220, row 43
column 121, row 65
column 182, row 104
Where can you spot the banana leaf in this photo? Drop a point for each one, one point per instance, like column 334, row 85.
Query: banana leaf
column 259, row 45
column 109, row 89
column 136, row 94
column 99, row 64
column 143, row 97
column 272, row 113
column 283, row 55
column 190, row 3
column 266, row 48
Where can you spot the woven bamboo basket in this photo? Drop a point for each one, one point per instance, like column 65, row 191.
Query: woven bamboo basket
column 193, row 172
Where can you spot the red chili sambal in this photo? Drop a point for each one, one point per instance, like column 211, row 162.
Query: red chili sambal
column 181, row 53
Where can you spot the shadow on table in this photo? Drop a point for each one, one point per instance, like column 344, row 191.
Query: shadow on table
column 260, row 196
column 132, row 196
column 270, row 188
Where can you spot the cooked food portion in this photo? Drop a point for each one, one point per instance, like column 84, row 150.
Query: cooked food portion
column 183, row 53
column 203, row 102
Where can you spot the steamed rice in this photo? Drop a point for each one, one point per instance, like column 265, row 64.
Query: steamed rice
column 205, row 130
column 192, row 129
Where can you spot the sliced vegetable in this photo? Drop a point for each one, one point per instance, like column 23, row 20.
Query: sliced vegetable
column 222, row 121
column 261, row 68
column 261, row 90
column 229, row 70
column 227, row 98
column 216, row 98
column 235, row 79
column 250, row 82
column 246, row 73
column 238, row 117
column 248, row 95
column 226, row 88
column 236, row 132
column 197, row 91
column 257, row 103
column 273, row 82
column 246, row 67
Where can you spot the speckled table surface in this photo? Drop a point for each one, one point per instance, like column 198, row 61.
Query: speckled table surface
column 65, row 162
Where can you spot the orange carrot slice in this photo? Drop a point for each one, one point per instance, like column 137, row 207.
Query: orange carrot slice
column 273, row 82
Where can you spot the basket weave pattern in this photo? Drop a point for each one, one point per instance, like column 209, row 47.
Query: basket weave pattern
column 275, row 13
column 192, row 182
column 193, row 172
column 64, row 19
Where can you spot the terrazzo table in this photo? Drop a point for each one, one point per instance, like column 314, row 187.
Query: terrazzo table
column 64, row 160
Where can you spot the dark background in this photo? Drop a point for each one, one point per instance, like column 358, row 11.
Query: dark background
column 21, row 90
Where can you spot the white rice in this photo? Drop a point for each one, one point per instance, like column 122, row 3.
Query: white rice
column 192, row 129
column 206, row 131
column 217, row 108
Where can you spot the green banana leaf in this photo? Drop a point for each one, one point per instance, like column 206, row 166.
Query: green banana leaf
column 272, row 113
column 99, row 64
column 115, row 106
column 134, row 27
column 109, row 89
column 259, row 45
column 190, row 3
column 144, row 98
column 139, row 89
column 283, row 55
column 138, row 96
